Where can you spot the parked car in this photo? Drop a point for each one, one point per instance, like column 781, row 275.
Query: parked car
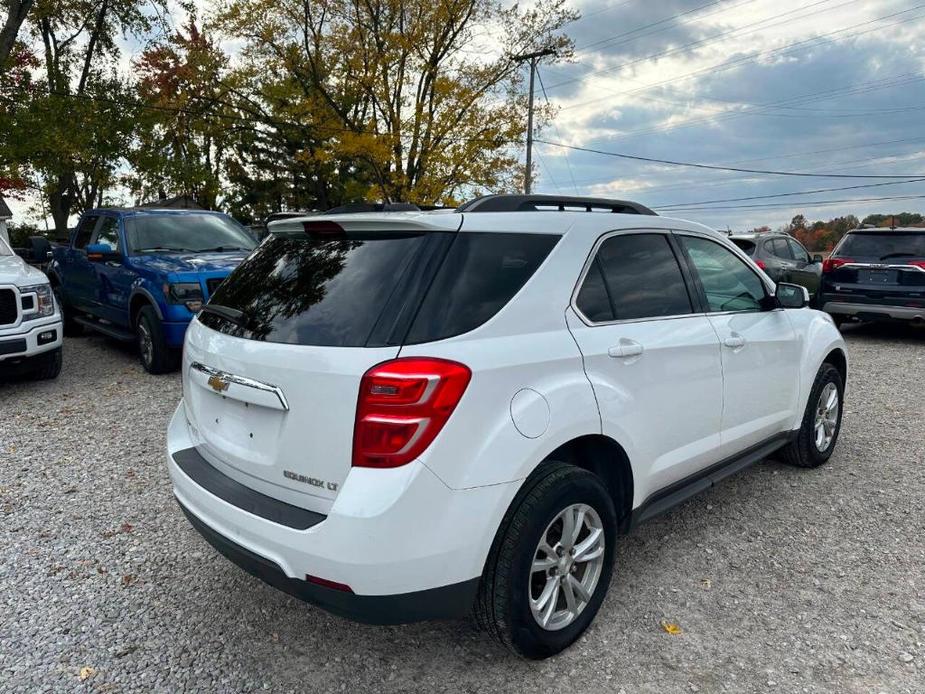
column 142, row 274
column 30, row 322
column 783, row 258
column 405, row 416
column 876, row 274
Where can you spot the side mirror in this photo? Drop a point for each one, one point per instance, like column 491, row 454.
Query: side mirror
column 100, row 251
column 818, row 259
column 792, row 295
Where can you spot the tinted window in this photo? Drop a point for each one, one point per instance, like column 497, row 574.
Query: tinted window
column 480, row 274
column 799, row 253
column 781, row 249
column 109, row 233
column 592, row 298
column 302, row 290
column 182, row 233
column 883, row 245
column 727, row 281
column 745, row 245
column 643, row 277
column 84, row 230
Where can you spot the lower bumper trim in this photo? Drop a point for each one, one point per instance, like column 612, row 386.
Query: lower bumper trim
column 446, row 602
column 874, row 311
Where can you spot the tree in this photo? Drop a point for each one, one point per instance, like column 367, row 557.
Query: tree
column 402, row 96
column 16, row 11
column 181, row 143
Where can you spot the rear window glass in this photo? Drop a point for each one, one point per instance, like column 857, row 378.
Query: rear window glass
column 884, row 245
column 375, row 289
column 303, row 290
column 747, row 246
column 480, row 274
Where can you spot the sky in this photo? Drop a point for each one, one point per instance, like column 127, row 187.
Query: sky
column 831, row 86
column 812, row 86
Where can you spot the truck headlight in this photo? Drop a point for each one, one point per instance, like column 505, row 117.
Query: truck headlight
column 187, row 293
column 44, row 299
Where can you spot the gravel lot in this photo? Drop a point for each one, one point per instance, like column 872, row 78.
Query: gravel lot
column 780, row 579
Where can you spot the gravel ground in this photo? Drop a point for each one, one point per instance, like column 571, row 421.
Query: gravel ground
column 780, row 579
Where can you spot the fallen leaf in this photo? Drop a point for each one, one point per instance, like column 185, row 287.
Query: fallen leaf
column 86, row 673
column 128, row 579
column 127, row 527
column 671, row 627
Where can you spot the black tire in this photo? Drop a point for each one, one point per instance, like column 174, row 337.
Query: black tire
column 155, row 355
column 47, row 366
column 803, row 451
column 502, row 607
column 71, row 328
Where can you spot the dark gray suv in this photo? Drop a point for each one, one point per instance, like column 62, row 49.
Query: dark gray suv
column 783, row 258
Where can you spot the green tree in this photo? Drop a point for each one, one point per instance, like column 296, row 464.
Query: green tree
column 402, row 98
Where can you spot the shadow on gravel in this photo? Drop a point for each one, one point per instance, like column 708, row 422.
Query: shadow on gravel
column 886, row 330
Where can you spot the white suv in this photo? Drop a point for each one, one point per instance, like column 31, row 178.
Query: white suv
column 30, row 322
column 405, row 416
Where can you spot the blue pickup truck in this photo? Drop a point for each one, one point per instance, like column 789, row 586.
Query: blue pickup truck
column 141, row 274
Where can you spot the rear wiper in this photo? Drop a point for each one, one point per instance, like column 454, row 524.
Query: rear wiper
column 226, row 312
column 897, row 255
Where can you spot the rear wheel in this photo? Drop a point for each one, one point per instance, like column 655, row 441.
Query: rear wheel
column 550, row 565
column 821, row 425
column 156, row 356
column 47, row 366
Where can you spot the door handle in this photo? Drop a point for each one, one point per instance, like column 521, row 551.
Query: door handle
column 734, row 341
column 113, row 263
column 625, row 349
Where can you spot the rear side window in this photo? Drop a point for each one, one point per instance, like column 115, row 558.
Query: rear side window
column 883, row 245
column 304, row 290
column 479, row 276
column 641, row 277
column 781, row 249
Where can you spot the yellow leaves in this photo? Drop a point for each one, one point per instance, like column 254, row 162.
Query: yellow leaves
column 86, row 672
column 671, row 627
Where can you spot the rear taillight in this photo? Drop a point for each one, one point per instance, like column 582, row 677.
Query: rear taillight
column 761, row 264
column 830, row 264
column 402, row 406
column 918, row 263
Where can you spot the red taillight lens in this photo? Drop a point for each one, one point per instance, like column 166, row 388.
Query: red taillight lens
column 760, row 263
column 830, row 264
column 918, row 263
column 403, row 405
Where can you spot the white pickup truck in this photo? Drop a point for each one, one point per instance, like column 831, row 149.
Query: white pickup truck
column 30, row 321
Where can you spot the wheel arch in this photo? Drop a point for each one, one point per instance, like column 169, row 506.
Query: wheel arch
column 839, row 360
column 140, row 298
column 604, row 457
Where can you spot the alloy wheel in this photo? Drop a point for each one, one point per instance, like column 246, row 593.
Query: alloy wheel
column 567, row 565
column 826, row 423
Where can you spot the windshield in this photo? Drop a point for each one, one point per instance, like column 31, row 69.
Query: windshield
column 884, row 245
column 185, row 233
column 4, row 249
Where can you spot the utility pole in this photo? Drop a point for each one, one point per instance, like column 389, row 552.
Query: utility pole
column 533, row 58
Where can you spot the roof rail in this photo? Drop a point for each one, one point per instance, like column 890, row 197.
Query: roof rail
column 540, row 203
column 354, row 207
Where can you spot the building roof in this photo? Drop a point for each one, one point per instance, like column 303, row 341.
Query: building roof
column 5, row 212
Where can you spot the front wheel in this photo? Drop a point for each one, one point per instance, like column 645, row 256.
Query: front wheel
column 815, row 441
column 550, row 565
column 156, row 355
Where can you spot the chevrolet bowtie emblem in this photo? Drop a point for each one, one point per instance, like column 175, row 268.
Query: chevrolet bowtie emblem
column 218, row 384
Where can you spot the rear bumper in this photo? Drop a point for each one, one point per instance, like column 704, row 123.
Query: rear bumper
column 408, row 546
column 874, row 310
column 437, row 603
column 26, row 342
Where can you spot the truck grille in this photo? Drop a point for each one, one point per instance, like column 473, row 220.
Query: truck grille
column 8, row 311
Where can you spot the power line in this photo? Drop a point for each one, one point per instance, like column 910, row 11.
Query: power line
column 709, row 40
column 798, row 203
column 567, row 162
column 761, row 54
column 766, row 172
column 785, row 195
